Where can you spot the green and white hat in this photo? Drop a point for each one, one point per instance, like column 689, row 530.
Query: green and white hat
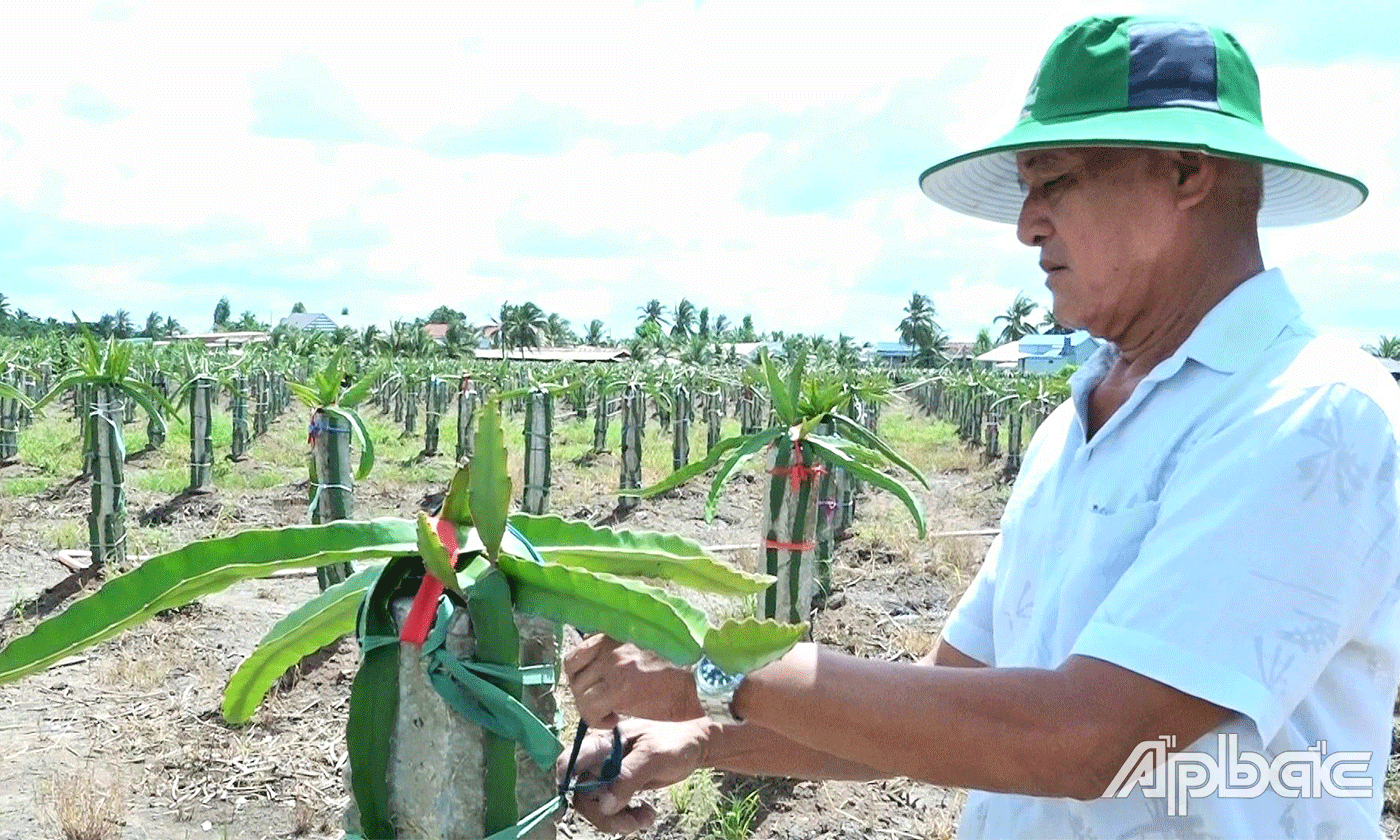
column 1150, row 82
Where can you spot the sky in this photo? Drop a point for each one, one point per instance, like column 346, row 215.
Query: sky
column 753, row 157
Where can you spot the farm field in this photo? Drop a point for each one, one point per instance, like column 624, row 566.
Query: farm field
column 127, row 736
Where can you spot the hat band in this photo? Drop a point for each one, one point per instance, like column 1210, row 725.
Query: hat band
column 1172, row 64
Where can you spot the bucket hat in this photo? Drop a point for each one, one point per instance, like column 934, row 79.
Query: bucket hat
column 1153, row 82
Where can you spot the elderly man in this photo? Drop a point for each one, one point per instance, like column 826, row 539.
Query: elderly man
column 1200, row 557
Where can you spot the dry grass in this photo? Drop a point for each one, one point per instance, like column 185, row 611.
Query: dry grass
column 80, row 806
column 954, row 561
column 143, row 658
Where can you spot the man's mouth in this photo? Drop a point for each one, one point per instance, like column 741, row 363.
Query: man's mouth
column 1051, row 268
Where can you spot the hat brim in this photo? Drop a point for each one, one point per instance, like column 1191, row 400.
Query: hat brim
column 984, row 183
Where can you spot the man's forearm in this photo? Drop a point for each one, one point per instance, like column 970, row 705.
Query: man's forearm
column 993, row 729
column 755, row 751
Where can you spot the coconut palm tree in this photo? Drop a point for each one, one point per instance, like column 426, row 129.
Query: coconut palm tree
column 934, row 351
column 746, row 330
column 595, row 336
column 723, row 328
column 529, row 327
column 460, row 339
column 847, row 353
column 1017, row 327
column 918, row 324
column 222, row 312
column 653, row 313
column 557, row 330
column 983, row 342
column 684, row 324
column 1049, row 326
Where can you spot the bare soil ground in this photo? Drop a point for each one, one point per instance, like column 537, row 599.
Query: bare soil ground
column 126, row 739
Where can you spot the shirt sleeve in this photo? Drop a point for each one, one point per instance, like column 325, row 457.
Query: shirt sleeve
column 1275, row 541
column 969, row 626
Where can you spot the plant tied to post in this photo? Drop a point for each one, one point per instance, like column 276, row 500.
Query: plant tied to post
column 101, row 378
column 472, row 556
column 799, row 455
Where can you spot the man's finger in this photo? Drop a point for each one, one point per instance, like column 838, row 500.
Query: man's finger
column 595, row 663
column 629, row 819
column 591, row 754
column 595, row 706
column 585, row 652
column 633, row 777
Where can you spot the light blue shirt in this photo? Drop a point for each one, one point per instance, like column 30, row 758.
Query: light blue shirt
column 1231, row 531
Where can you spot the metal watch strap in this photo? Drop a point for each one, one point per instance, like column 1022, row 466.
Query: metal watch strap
column 715, row 690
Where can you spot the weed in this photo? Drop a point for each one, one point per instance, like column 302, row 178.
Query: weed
column 65, row 533
column 734, row 821
column 696, row 800
column 78, row 807
column 24, row 485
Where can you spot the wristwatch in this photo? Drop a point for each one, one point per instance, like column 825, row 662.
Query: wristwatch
column 715, row 688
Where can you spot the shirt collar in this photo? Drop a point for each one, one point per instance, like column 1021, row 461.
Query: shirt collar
column 1243, row 325
column 1235, row 332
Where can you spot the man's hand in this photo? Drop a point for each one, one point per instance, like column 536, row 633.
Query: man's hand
column 656, row 755
column 609, row 678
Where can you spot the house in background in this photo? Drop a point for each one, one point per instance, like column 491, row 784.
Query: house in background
column 894, row 353
column 1391, row 365
column 581, row 353
column 890, row 353
column 1042, row 353
column 309, row 321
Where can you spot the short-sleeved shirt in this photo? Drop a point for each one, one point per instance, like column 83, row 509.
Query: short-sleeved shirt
column 1230, row 531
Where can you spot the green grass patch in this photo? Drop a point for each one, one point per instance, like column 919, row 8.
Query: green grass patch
column 24, row 485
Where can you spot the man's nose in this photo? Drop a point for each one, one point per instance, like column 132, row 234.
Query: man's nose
column 1033, row 226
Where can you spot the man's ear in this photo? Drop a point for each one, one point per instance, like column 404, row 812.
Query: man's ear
column 1195, row 176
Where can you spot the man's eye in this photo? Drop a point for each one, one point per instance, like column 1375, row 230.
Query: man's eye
column 1055, row 184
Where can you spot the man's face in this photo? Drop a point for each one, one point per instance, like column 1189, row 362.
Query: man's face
column 1103, row 223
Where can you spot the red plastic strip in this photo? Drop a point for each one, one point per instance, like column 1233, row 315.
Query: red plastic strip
column 424, row 610
column 802, row 546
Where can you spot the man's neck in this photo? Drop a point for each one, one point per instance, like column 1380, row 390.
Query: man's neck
column 1161, row 333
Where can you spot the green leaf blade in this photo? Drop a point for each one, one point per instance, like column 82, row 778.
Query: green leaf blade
column 751, row 446
column 778, row 392
column 854, row 431
column 434, row 555
column 626, row 553
column 490, row 479
column 686, row 473
column 833, row 453
column 178, row 577
column 300, row 633
column 740, row 646
column 363, row 441
column 303, row 393
column 623, row 609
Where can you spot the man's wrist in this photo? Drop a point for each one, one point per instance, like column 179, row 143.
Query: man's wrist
column 690, row 707
column 796, row 666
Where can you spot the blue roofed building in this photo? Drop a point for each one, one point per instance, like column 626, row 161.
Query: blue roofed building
column 1042, row 353
column 309, row 322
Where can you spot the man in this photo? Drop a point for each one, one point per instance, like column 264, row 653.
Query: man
column 1201, row 549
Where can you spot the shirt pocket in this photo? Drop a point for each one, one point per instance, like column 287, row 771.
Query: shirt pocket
column 1107, row 545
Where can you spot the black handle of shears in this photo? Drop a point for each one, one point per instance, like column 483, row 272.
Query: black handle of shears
column 612, row 765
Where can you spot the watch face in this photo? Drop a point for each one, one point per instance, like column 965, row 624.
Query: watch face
column 710, row 674
column 714, row 679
